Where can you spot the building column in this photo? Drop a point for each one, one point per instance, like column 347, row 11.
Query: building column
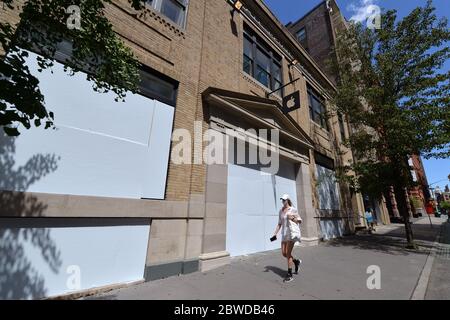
column 214, row 252
column 384, row 210
column 305, row 206
column 358, row 205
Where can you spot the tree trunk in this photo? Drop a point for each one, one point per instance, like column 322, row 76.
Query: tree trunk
column 400, row 194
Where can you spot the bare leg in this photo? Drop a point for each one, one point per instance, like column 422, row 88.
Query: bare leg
column 284, row 248
column 290, row 259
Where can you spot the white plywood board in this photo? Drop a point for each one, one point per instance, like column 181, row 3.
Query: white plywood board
column 42, row 261
column 100, row 147
column 253, row 205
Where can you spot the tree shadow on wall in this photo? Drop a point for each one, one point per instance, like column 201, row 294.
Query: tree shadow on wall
column 18, row 278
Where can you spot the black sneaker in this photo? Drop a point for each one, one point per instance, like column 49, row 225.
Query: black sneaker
column 288, row 278
column 297, row 263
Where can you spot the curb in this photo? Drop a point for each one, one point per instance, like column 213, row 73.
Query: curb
column 422, row 284
column 93, row 291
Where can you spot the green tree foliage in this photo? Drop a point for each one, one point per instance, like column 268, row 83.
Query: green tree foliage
column 97, row 50
column 396, row 98
column 445, row 205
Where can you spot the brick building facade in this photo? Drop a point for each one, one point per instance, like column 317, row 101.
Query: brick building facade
column 223, row 66
column 420, row 192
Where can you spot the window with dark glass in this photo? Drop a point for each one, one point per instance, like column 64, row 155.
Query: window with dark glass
column 261, row 62
column 277, row 75
column 175, row 10
column 317, row 110
column 248, row 55
column 341, row 126
column 158, row 87
column 301, row 37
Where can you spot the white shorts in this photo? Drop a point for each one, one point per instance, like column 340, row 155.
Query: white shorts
column 289, row 238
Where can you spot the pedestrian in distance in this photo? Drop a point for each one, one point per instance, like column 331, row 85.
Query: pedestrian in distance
column 370, row 220
column 289, row 223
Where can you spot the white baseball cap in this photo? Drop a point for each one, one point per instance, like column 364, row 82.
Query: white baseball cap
column 285, row 197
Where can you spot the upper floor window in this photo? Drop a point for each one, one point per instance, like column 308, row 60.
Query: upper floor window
column 261, row 62
column 414, row 175
column 301, row 34
column 152, row 84
column 158, row 87
column 410, row 162
column 175, row 10
column 317, row 110
column 301, row 37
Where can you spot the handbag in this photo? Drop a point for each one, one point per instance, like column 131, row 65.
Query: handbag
column 294, row 230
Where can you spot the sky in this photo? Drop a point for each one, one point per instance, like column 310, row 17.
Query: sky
column 292, row 10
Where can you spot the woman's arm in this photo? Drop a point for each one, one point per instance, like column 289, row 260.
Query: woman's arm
column 277, row 229
column 296, row 217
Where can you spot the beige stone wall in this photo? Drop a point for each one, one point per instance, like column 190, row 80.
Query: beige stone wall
column 207, row 53
column 174, row 240
column 175, row 52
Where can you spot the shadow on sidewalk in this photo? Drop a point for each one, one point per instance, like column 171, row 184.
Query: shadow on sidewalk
column 276, row 270
column 378, row 243
column 422, row 232
column 393, row 241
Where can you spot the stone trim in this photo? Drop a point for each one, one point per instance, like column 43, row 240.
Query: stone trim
column 309, row 242
column 168, row 269
column 209, row 261
column 213, row 255
column 23, row 204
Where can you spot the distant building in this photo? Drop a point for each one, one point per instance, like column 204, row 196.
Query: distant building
column 317, row 32
column 446, row 196
column 420, row 191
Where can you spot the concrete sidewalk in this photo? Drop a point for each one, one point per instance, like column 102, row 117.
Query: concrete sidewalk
column 439, row 282
column 332, row 270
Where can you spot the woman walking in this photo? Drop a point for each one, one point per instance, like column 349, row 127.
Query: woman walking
column 289, row 222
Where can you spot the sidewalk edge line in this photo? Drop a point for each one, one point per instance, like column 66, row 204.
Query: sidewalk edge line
column 422, row 284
